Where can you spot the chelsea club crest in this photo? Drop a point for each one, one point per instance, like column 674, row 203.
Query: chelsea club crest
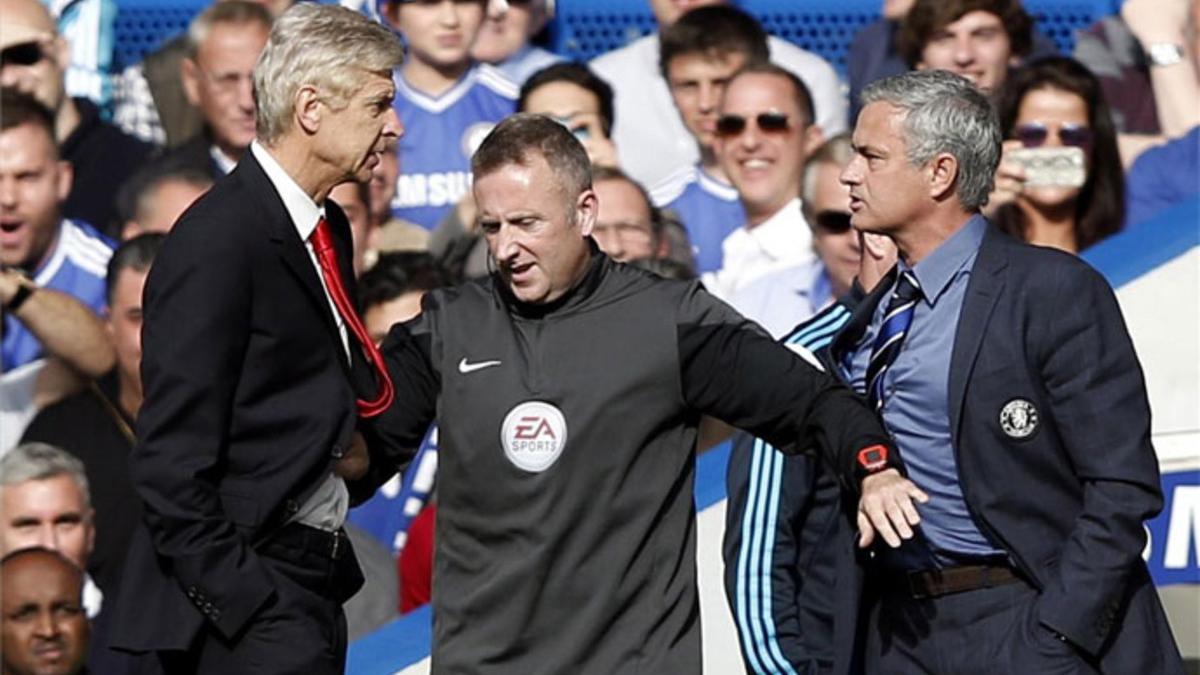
column 1018, row 418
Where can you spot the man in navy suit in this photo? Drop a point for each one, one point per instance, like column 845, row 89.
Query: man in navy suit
column 253, row 358
column 1012, row 520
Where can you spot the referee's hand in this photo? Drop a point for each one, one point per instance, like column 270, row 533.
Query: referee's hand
column 887, row 508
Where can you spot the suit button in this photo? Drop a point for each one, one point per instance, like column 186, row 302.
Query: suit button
column 291, row 506
column 338, row 451
column 192, row 592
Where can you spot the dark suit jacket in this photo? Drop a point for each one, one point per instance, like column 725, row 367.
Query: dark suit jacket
column 248, row 394
column 1068, row 501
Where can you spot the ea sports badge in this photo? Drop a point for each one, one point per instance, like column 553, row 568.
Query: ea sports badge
column 1018, row 418
column 533, row 434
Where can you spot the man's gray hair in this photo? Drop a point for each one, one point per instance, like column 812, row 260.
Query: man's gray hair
column 946, row 113
column 234, row 12
column 325, row 46
column 42, row 461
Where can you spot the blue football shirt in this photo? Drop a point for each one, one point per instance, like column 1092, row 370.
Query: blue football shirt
column 710, row 211
column 440, row 135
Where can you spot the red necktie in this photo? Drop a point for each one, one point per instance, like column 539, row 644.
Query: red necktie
column 322, row 242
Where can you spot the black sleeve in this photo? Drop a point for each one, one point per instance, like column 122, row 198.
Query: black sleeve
column 734, row 371
column 394, row 436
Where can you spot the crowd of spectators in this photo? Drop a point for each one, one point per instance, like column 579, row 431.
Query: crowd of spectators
column 717, row 150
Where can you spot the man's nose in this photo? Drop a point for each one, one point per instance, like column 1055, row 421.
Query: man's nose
column 964, row 51
column 849, row 174
column 392, row 126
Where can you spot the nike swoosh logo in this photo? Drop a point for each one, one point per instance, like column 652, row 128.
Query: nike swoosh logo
column 464, row 367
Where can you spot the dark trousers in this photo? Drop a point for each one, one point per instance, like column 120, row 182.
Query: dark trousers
column 989, row 630
column 300, row 631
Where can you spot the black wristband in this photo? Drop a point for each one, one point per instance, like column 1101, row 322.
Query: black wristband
column 23, row 292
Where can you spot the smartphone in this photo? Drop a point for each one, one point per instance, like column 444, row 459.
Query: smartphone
column 1051, row 167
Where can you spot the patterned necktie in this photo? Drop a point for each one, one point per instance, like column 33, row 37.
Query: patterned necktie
column 891, row 334
column 322, row 243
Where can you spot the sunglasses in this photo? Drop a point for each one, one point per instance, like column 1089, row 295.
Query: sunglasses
column 729, row 126
column 1034, row 134
column 24, row 54
column 833, row 222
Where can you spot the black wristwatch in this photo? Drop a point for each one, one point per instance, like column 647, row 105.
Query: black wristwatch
column 24, row 290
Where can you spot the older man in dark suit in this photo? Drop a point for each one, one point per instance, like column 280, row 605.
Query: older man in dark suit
column 1014, row 515
column 253, row 358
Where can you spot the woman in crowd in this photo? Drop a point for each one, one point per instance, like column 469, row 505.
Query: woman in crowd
column 1053, row 103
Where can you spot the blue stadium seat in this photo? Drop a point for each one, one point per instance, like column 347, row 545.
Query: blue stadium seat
column 583, row 29
column 142, row 25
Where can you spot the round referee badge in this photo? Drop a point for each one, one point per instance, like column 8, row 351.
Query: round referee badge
column 1018, row 418
column 534, row 434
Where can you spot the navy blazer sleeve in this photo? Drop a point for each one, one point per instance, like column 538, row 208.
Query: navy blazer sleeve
column 1097, row 395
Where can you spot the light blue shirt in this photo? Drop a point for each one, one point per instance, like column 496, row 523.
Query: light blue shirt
column 780, row 300
column 916, row 407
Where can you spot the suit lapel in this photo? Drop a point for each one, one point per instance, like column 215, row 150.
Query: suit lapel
column 983, row 290
column 291, row 249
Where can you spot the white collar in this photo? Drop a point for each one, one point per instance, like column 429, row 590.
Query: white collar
column 303, row 211
column 439, row 103
column 224, row 162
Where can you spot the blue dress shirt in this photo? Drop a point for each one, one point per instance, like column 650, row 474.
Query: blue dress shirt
column 916, row 408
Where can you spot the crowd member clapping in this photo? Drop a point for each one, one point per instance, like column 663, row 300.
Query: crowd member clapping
column 51, row 267
column 1057, row 103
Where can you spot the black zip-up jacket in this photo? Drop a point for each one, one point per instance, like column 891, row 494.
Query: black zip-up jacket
column 566, row 523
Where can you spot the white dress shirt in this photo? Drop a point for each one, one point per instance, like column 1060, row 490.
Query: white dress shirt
column 783, row 240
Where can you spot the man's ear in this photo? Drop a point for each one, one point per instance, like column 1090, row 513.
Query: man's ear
column 61, row 50
column 814, row 137
column 189, row 74
column 91, row 534
column 943, row 175
column 66, row 179
column 587, row 207
column 307, row 109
